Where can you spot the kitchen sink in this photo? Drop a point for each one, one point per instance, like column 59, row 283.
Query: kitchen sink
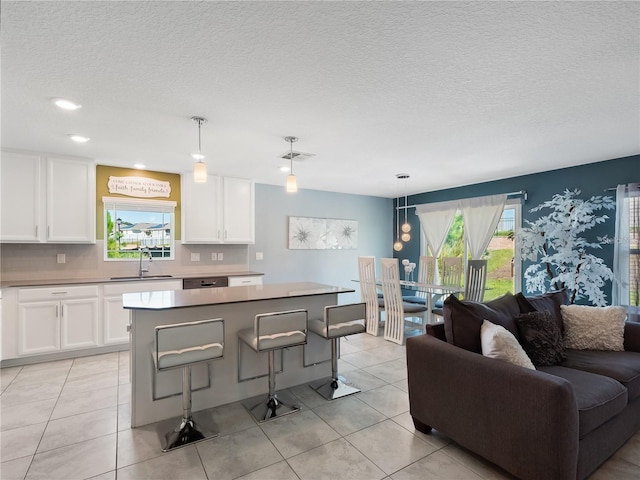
column 146, row 277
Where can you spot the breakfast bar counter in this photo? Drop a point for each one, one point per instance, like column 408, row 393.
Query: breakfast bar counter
column 241, row 373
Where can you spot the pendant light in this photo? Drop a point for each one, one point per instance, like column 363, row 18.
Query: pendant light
column 397, row 246
column 199, row 168
column 292, row 183
column 406, row 226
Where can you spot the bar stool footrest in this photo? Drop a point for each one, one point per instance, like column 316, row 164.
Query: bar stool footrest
column 263, row 408
column 332, row 389
column 200, row 426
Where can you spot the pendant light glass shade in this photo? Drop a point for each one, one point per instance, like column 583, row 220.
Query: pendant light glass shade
column 405, row 237
column 199, row 168
column 200, row 172
column 397, row 246
column 292, row 184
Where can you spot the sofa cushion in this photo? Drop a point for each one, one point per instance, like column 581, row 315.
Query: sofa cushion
column 463, row 319
column 593, row 328
column 541, row 338
column 546, row 302
column 621, row 366
column 598, row 398
column 497, row 342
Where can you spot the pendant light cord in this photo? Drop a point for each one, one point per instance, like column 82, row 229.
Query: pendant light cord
column 291, row 157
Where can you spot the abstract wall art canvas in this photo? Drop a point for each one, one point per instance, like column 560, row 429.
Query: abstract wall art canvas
column 308, row 233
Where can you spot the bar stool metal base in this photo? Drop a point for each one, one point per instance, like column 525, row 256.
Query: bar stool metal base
column 198, row 427
column 265, row 407
column 331, row 388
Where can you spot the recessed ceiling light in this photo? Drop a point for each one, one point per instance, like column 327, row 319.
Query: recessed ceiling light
column 78, row 138
column 197, row 156
column 284, row 168
column 139, row 166
column 66, row 104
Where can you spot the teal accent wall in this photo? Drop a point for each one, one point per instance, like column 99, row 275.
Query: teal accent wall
column 591, row 179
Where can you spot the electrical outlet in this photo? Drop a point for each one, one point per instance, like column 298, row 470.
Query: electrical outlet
column 62, row 258
column 214, row 256
column 259, row 255
column 195, row 257
column 220, row 256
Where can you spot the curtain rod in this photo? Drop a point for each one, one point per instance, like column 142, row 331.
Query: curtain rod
column 510, row 194
column 627, row 186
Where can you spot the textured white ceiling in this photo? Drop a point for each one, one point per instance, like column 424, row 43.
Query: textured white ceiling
column 452, row 93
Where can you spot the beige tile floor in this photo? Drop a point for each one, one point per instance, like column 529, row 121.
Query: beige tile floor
column 69, row 419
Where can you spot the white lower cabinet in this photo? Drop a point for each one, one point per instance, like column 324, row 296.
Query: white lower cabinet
column 38, row 328
column 115, row 317
column 52, row 319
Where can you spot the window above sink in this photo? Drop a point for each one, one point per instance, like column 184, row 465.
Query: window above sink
column 132, row 224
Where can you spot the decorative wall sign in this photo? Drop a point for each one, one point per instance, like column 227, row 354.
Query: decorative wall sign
column 139, row 187
column 308, row 233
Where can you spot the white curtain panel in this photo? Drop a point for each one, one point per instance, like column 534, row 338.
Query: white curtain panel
column 435, row 221
column 620, row 287
column 481, row 216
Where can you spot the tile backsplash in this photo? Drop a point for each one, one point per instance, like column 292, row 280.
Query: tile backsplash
column 39, row 261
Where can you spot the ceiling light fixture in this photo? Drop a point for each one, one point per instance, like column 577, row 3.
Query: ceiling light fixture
column 406, row 226
column 292, row 184
column 397, row 246
column 138, row 166
column 199, row 168
column 66, row 104
column 78, row 138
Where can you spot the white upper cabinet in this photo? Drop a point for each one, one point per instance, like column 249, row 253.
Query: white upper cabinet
column 238, row 206
column 201, row 212
column 47, row 199
column 71, row 201
column 20, row 198
column 218, row 211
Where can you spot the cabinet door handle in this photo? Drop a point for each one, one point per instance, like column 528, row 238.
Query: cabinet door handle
column 36, row 231
column 57, row 311
column 218, row 234
column 48, row 232
column 128, row 327
column 225, row 234
column 62, row 311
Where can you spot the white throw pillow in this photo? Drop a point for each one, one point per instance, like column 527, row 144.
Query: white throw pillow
column 498, row 342
column 593, row 328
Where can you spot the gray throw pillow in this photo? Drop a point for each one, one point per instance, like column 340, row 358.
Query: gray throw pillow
column 541, row 338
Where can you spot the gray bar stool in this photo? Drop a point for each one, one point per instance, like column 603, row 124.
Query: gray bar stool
column 183, row 345
column 339, row 321
column 271, row 332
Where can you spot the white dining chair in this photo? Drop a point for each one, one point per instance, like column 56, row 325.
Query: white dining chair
column 476, row 280
column 474, row 284
column 426, row 274
column 369, row 293
column 396, row 311
column 452, row 268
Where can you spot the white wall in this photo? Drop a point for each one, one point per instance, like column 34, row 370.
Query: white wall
column 333, row 267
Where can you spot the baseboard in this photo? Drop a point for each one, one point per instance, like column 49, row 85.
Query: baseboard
column 50, row 357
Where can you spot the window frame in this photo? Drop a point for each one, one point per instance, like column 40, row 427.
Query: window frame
column 165, row 207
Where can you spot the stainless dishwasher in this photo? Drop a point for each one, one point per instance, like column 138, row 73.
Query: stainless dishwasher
column 204, row 282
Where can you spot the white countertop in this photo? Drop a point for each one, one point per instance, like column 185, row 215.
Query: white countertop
column 164, row 300
column 43, row 282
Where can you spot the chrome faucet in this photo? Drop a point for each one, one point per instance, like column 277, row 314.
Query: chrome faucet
column 144, row 251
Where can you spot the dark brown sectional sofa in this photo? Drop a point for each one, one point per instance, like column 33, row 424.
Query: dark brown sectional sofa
column 556, row 422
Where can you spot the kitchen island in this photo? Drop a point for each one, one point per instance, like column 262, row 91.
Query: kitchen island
column 240, row 373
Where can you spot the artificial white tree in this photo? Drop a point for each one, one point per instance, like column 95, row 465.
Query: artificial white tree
column 556, row 243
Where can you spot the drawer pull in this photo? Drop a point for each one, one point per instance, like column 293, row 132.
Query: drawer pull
column 59, row 293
